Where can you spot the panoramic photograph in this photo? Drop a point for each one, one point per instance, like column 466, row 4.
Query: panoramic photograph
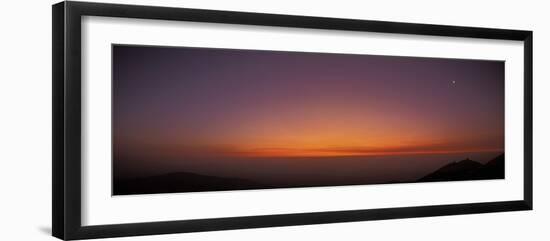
column 188, row 119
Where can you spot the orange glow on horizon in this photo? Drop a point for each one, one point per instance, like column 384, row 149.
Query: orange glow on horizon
column 338, row 141
column 286, row 152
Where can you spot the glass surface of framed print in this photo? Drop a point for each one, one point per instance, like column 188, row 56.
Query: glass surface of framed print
column 174, row 120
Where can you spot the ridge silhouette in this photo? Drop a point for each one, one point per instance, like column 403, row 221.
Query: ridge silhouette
column 468, row 170
column 192, row 182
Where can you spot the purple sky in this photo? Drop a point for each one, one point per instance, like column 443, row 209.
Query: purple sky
column 200, row 108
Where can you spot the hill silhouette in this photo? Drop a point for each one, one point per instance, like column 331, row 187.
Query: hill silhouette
column 192, row 182
column 468, row 170
column 181, row 182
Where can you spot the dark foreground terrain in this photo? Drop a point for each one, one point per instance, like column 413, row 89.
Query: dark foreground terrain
column 468, row 170
column 191, row 182
column 182, row 182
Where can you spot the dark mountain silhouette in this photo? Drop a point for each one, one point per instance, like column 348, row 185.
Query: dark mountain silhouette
column 181, row 182
column 468, row 170
column 192, row 182
column 460, row 170
column 494, row 169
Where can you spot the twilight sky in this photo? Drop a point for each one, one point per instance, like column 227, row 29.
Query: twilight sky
column 200, row 108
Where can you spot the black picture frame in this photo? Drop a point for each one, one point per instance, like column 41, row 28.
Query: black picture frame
column 67, row 134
